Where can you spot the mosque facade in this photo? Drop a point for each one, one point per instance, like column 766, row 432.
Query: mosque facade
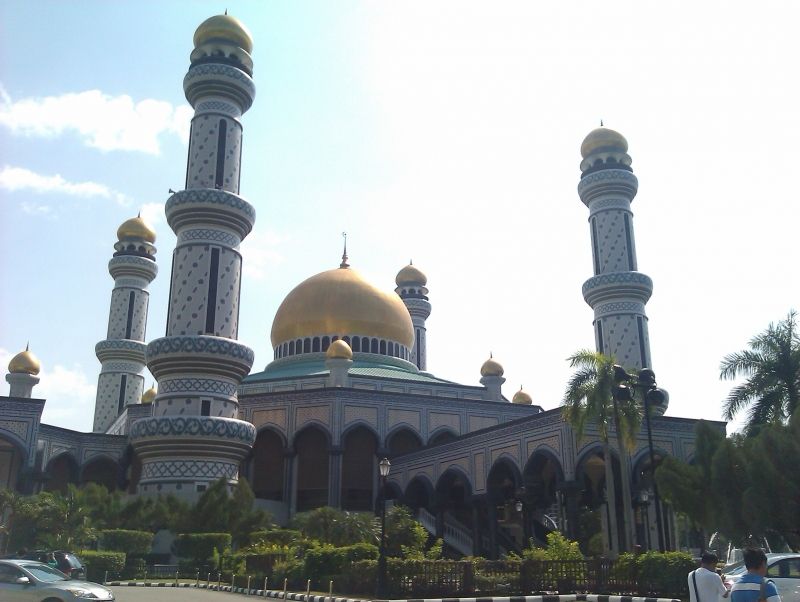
column 349, row 381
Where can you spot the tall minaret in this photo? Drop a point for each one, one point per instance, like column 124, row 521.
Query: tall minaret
column 411, row 288
column 194, row 436
column 121, row 354
column 617, row 292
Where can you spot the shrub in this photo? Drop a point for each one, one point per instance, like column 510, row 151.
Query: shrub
column 97, row 563
column 665, row 572
column 291, row 569
column 123, row 540
column 200, row 547
column 280, row 537
column 328, row 562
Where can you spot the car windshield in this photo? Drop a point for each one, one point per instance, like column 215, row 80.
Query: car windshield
column 42, row 572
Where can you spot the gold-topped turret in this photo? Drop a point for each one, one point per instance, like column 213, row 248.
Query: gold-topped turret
column 522, row 397
column 411, row 275
column 136, row 228
column 224, row 28
column 603, row 139
column 339, row 349
column 492, row 367
column 149, row 396
column 25, row 363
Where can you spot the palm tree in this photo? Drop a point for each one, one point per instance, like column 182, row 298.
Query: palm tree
column 10, row 504
column 771, row 365
column 589, row 399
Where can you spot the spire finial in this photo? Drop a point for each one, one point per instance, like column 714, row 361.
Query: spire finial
column 139, row 215
column 28, row 346
column 490, row 355
column 410, row 262
column 344, row 263
column 601, row 123
column 226, row 11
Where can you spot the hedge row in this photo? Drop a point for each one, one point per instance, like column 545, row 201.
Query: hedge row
column 200, row 547
column 123, row 540
column 97, row 563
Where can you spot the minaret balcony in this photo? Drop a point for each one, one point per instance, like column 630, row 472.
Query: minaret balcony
column 633, row 286
column 204, row 207
column 204, row 355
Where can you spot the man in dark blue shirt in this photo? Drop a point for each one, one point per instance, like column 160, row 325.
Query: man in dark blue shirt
column 749, row 587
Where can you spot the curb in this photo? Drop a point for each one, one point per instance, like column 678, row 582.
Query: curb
column 278, row 594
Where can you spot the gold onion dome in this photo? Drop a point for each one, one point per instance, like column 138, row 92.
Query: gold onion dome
column 136, row 227
column 339, row 349
column 150, row 395
column 24, row 363
column 341, row 302
column 224, row 28
column 411, row 275
column 491, row 367
column 603, row 139
column 521, row 397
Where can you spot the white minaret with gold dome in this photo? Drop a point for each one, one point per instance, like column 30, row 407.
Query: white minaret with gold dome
column 121, row 354
column 492, row 378
column 194, row 436
column 22, row 374
column 411, row 286
column 618, row 291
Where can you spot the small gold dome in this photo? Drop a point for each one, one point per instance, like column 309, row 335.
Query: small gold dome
column 341, row 302
column 149, row 395
column 227, row 28
column 24, row 363
column 491, row 367
column 603, row 139
column 411, row 275
column 136, row 227
column 521, row 397
column 339, row 349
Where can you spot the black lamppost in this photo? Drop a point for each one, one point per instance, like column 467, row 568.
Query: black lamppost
column 653, row 396
column 383, row 468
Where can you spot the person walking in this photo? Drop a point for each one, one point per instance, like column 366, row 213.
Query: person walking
column 753, row 586
column 704, row 583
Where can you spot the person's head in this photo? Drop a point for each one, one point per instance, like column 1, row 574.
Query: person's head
column 755, row 561
column 709, row 560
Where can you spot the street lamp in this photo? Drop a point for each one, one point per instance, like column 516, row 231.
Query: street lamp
column 653, row 396
column 383, row 469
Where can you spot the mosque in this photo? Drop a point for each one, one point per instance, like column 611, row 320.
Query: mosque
column 349, row 383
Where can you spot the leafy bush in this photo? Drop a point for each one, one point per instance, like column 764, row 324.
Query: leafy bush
column 280, row 537
column 291, row 569
column 97, row 563
column 200, row 547
column 665, row 572
column 123, row 540
column 328, row 562
column 336, row 527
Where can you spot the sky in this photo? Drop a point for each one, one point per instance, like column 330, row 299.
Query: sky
column 443, row 132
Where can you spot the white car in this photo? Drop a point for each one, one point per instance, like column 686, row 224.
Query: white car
column 31, row 581
column 782, row 569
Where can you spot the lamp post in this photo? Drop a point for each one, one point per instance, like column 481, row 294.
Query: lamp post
column 383, row 468
column 653, row 396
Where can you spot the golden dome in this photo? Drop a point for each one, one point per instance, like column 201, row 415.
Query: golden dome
column 411, row 275
column 149, row 395
column 136, row 227
column 491, row 367
column 603, row 139
column 224, row 27
column 341, row 302
column 24, row 363
column 521, row 397
column 339, row 349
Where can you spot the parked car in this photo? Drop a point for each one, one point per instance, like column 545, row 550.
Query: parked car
column 66, row 562
column 782, row 569
column 31, row 581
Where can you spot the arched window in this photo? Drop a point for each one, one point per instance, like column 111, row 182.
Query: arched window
column 307, row 346
column 315, row 347
column 311, row 446
column 267, row 466
column 299, row 346
column 326, row 342
column 346, row 339
column 356, row 344
column 383, row 348
column 291, row 348
column 365, row 344
column 358, row 469
column 374, row 346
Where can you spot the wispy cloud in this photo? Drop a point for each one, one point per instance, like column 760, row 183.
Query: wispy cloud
column 69, row 392
column 19, row 178
column 260, row 252
column 101, row 121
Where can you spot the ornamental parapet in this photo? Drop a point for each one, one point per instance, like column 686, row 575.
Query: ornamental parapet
column 121, row 350
column 608, row 182
column 204, row 207
column 633, row 286
column 219, row 80
column 206, row 355
column 133, row 266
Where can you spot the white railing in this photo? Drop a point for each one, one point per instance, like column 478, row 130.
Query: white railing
column 455, row 534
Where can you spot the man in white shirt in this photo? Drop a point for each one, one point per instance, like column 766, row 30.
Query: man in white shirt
column 704, row 583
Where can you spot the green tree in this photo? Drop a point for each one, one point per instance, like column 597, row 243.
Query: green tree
column 336, row 527
column 404, row 535
column 10, row 505
column 64, row 520
column 589, row 399
column 771, row 367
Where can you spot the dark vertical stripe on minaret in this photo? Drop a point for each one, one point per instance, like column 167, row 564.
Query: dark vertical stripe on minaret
column 189, row 153
column 123, row 385
column 640, row 324
column 223, row 133
column 235, row 334
column 595, row 249
column 418, row 349
column 631, row 266
column 241, row 140
column 211, row 305
column 169, row 305
column 129, row 325
column 600, row 343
